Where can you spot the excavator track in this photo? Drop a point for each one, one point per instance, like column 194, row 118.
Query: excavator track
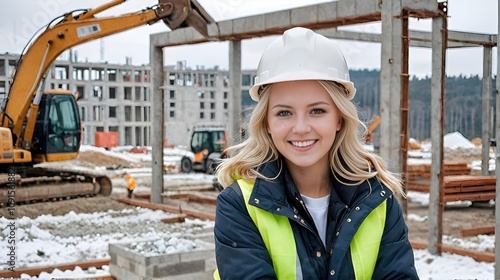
column 46, row 184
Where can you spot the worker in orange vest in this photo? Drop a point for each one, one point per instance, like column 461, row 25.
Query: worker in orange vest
column 131, row 185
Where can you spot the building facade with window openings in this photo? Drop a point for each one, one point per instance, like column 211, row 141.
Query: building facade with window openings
column 198, row 97
column 116, row 97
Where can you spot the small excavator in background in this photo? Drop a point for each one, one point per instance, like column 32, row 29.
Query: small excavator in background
column 207, row 146
column 44, row 126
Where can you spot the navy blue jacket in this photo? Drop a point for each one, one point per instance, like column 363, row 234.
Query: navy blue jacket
column 241, row 252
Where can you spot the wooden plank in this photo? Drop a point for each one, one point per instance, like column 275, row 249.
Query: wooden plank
column 193, row 198
column 417, row 245
column 167, row 208
column 35, row 271
column 468, row 180
column 177, row 219
column 480, row 188
column 417, row 188
column 483, row 196
column 457, row 172
column 476, row 255
column 477, row 231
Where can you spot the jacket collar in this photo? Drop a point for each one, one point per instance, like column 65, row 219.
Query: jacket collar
column 276, row 193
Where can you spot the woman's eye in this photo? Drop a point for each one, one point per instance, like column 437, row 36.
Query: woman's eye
column 283, row 113
column 318, row 111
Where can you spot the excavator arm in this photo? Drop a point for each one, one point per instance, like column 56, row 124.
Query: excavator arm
column 76, row 29
column 368, row 136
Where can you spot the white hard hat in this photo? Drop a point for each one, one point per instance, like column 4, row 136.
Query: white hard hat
column 302, row 54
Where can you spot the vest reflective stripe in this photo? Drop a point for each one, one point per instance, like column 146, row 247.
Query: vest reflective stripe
column 277, row 235
column 366, row 243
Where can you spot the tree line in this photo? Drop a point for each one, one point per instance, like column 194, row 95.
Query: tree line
column 463, row 102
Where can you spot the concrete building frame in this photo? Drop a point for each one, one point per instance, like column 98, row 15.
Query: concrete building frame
column 395, row 40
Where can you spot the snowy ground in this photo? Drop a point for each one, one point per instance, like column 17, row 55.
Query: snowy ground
column 74, row 237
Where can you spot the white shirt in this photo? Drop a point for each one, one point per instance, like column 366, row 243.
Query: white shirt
column 318, row 208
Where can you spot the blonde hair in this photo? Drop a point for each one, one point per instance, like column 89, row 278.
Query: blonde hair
column 349, row 160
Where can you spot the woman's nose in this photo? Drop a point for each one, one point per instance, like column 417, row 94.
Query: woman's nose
column 301, row 125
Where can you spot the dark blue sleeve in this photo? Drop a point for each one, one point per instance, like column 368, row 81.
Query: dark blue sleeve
column 395, row 257
column 240, row 252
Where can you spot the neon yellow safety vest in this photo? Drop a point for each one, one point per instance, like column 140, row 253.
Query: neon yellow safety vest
column 277, row 234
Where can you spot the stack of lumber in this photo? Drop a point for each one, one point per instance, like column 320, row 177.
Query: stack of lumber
column 458, row 183
column 423, row 171
column 461, row 187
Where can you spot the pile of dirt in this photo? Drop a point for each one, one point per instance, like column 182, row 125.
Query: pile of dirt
column 60, row 208
column 93, row 158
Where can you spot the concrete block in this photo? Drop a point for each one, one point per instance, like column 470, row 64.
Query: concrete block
column 122, row 262
column 196, row 264
column 249, row 24
column 364, row 7
column 162, row 259
column 178, row 269
column 125, row 252
column 192, row 276
column 225, row 28
column 123, row 274
column 206, row 237
column 278, row 19
column 346, row 8
column 420, row 5
column 327, row 11
column 305, row 15
column 196, row 255
column 112, row 256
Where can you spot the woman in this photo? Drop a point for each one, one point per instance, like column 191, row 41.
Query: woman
column 303, row 198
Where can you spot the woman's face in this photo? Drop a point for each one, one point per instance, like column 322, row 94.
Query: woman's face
column 302, row 122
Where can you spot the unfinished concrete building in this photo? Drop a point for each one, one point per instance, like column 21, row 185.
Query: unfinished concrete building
column 115, row 97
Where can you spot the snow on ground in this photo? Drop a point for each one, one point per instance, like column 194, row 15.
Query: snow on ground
column 75, row 237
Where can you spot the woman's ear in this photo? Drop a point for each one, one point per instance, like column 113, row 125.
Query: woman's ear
column 339, row 124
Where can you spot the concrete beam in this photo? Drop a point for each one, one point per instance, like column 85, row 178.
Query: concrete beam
column 319, row 16
column 456, row 39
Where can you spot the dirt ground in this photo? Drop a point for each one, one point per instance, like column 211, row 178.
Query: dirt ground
column 455, row 217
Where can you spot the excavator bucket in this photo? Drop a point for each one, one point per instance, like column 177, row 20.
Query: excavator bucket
column 187, row 13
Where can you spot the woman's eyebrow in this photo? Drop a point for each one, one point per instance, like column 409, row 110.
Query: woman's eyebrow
column 318, row 103
column 281, row 106
column 310, row 105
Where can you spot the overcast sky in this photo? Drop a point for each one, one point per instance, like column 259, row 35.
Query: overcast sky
column 24, row 17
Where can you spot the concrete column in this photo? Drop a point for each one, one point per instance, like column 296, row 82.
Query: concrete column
column 436, row 206
column 390, row 84
column 486, row 117
column 235, row 117
column 156, row 59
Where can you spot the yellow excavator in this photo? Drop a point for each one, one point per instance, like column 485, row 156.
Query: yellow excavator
column 44, row 126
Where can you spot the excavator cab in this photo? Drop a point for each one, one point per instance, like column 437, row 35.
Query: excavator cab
column 58, row 130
